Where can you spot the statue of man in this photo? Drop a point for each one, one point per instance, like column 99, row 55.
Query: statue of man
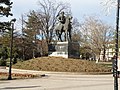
column 61, row 18
column 64, row 25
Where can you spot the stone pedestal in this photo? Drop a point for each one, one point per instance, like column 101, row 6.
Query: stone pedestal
column 64, row 49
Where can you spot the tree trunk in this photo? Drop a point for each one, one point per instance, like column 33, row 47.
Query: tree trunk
column 104, row 53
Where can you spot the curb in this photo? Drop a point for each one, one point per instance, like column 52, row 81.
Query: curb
column 52, row 72
column 26, row 71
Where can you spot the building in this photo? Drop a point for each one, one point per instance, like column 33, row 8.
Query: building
column 109, row 53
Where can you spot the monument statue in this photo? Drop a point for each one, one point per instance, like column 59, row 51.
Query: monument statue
column 64, row 25
column 67, row 48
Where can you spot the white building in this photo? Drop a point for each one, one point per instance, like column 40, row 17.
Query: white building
column 110, row 52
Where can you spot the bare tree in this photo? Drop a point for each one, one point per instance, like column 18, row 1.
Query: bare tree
column 96, row 35
column 108, row 5
column 76, row 34
column 47, row 16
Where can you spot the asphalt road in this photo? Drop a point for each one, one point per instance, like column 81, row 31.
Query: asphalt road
column 61, row 81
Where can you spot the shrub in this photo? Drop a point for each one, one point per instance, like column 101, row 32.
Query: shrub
column 2, row 62
column 14, row 60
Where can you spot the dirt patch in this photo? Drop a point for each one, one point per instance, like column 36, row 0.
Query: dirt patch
column 4, row 76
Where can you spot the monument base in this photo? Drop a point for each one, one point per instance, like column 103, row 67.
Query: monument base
column 64, row 49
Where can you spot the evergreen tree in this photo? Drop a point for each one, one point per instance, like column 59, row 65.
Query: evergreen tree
column 5, row 9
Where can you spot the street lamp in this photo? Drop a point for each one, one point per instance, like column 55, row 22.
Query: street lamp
column 11, row 46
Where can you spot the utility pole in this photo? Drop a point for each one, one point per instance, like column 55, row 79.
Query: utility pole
column 115, row 68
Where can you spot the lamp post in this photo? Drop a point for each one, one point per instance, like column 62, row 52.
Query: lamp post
column 11, row 47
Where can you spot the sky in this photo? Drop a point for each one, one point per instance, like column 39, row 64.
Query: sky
column 79, row 8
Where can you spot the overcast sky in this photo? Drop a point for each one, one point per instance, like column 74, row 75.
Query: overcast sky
column 80, row 8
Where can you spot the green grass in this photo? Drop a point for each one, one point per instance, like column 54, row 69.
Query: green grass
column 107, row 64
column 61, row 65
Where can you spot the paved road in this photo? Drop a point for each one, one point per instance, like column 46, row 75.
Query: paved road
column 61, row 81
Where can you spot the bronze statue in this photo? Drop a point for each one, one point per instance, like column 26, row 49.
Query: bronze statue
column 64, row 25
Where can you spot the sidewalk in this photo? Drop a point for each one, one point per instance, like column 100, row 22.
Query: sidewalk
column 34, row 72
column 23, row 71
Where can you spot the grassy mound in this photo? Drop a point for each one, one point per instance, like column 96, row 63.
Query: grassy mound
column 61, row 65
